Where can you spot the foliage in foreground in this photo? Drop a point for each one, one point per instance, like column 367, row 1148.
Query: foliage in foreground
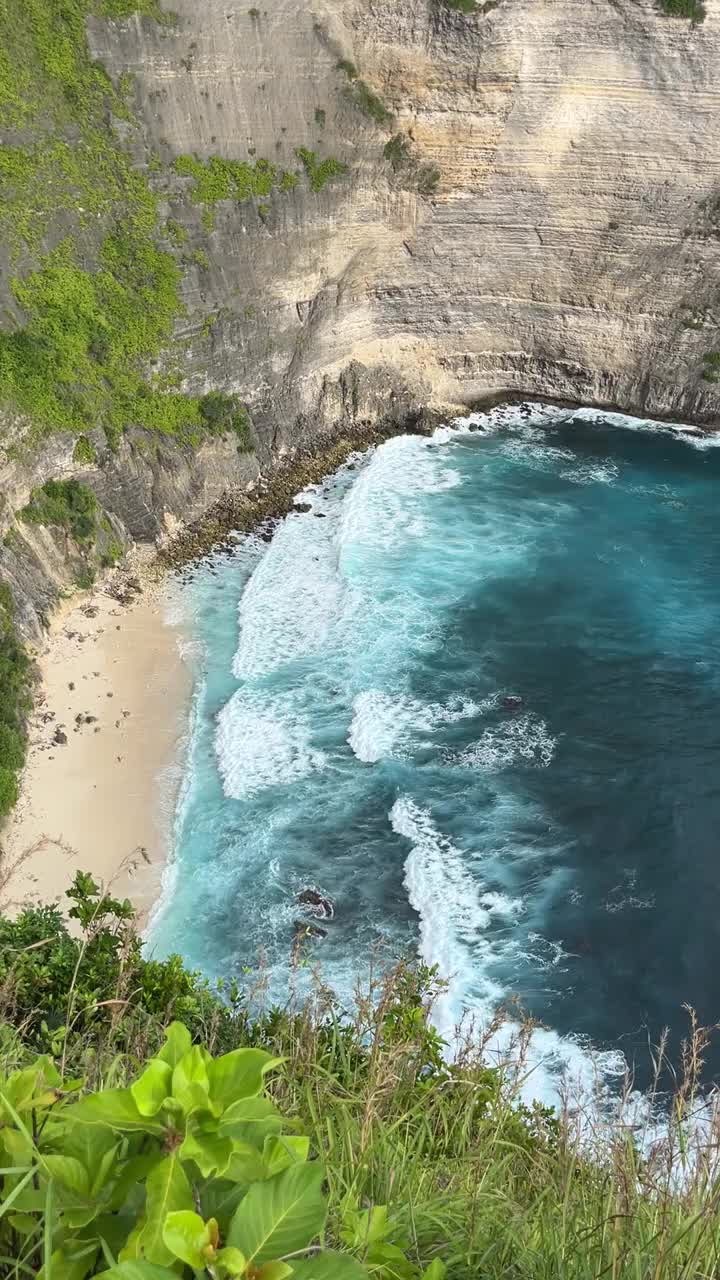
column 185, row 1171
column 425, row 1165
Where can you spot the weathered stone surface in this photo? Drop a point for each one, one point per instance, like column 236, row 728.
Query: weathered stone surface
column 575, row 138
column 571, row 235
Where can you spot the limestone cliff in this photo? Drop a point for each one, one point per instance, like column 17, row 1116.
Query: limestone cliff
column 568, row 246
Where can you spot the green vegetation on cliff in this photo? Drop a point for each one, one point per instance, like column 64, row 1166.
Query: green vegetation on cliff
column 66, row 504
column 320, row 172
column 692, row 9
column 95, row 299
column 163, row 1131
column 14, row 701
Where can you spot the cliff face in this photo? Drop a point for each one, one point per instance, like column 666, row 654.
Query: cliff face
column 564, row 248
column 568, row 247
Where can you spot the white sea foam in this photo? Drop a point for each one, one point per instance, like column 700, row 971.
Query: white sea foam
column 263, row 740
column 448, row 899
column 385, row 725
column 383, row 507
column 522, row 739
column 453, row 921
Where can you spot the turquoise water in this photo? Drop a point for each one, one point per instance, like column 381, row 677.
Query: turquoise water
column 349, row 732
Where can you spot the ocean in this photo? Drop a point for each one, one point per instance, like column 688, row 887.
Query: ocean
column 470, row 692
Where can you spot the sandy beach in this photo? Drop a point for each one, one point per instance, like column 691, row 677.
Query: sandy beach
column 104, row 760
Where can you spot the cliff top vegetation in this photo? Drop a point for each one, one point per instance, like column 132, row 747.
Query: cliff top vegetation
column 152, row 1126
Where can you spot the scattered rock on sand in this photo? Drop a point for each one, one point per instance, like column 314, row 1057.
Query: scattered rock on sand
column 60, row 738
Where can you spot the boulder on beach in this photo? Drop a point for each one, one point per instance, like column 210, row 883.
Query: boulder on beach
column 317, row 903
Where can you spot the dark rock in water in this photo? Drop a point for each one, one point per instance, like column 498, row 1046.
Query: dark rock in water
column 317, row 903
column 301, row 929
column 513, row 702
column 302, row 506
column 320, row 515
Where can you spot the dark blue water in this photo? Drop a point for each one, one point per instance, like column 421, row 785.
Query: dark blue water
column 350, row 732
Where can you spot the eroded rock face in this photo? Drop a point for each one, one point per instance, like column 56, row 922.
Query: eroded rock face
column 576, row 141
column 571, row 249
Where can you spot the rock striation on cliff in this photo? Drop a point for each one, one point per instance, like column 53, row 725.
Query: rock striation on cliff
column 524, row 200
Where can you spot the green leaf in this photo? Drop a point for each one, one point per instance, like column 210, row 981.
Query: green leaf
column 280, row 1216
column 139, row 1270
column 232, row 1260
column 239, row 1075
column 178, row 1043
column 69, row 1173
column 330, row 1266
column 250, row 1120
column 132, row 1174
column 73, row 1266
column 88, row 1144
column 114, row 1108
column 168, row 1191
column 366, row 1227
column 152, row 1088
column 281, row 1150
column 436, row 1271
column 391, row 1254
column 187, row 1237
column 246, row 1164
column 190, row 1083
column 210, row 1153
column 273, row 1271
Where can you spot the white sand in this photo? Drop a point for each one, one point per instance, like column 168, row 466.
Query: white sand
column 103, row 802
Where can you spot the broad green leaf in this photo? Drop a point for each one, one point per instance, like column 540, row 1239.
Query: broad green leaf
column 168, row 1191
column 88, row 1144
column 152, row 1088
column 69, row 1173
column 280, row 1216
column 114, row 1108
column 139, row 1270
column 19, row 1147
column 35, row 1087
column 239, row 1075
column 210, row 1153
column 23, row 1223
column 187, row 1237
column 273, row 1271
column 246, row 1165
column 178, row 1042
column 74, row 1265
column 392, row 1258
column 232, row 1260
column 250, row 1120
column 105, row 1168
column 367, row 1227
column 436, row 1271
column 190, row 1083
column 281, row 1150
column 131, row 1175
column 329, row 1266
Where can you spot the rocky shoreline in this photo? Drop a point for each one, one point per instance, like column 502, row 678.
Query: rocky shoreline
column 271, row 497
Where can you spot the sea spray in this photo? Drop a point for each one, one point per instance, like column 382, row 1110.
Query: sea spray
column 354, row 733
